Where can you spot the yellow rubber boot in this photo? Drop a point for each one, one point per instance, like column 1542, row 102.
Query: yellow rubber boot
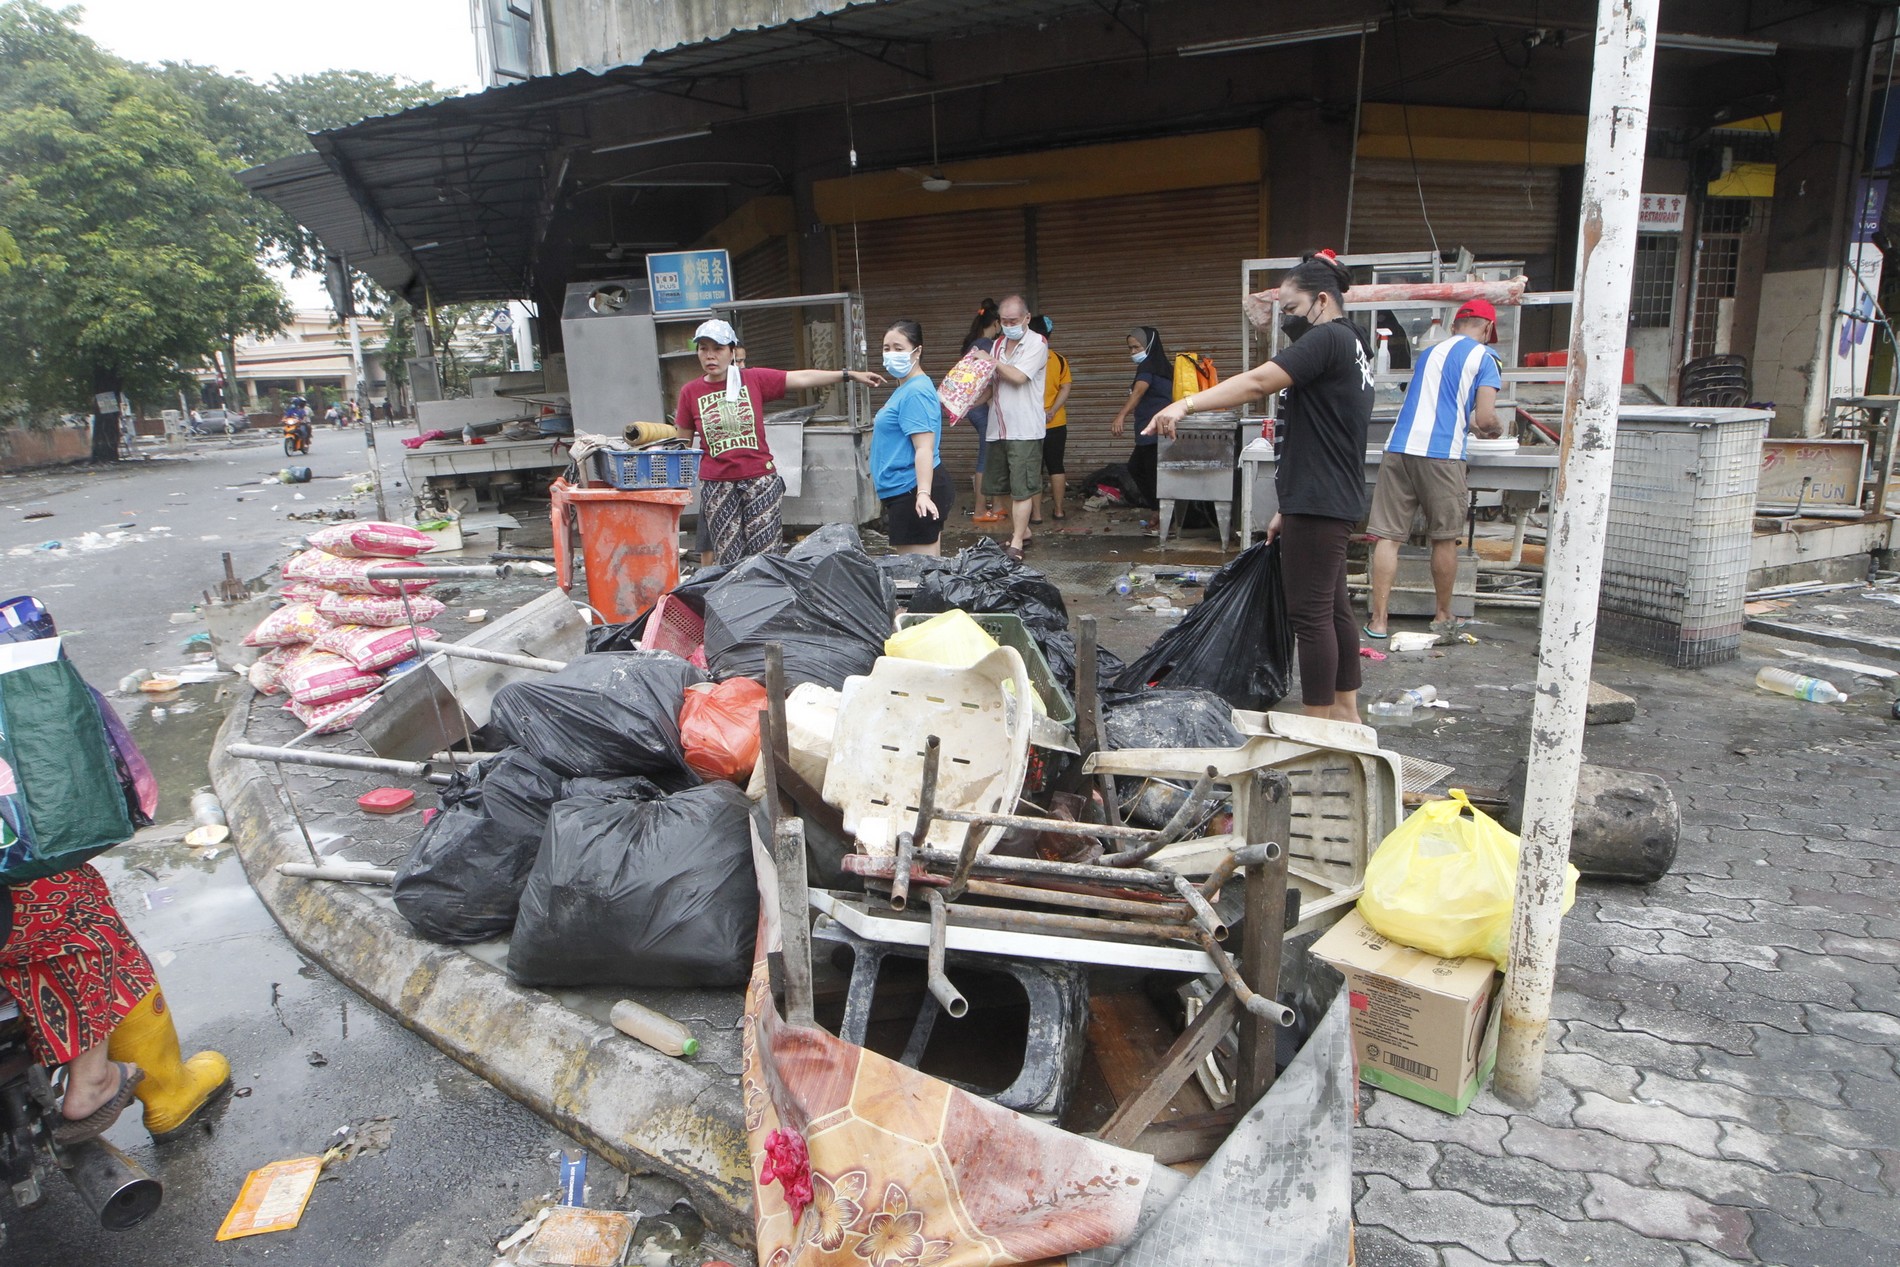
column 174, row 1090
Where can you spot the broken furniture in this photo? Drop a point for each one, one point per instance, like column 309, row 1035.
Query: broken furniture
column 1036, row 918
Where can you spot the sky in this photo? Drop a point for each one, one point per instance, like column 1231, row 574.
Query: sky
column 418, row 39
column 260, row 39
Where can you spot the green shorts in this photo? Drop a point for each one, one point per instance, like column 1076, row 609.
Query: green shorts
column 1015, row 469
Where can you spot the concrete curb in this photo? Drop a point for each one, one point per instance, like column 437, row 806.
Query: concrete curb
column 645, row 1112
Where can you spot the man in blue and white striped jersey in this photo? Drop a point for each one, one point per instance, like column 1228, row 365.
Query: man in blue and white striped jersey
column 1453, row 393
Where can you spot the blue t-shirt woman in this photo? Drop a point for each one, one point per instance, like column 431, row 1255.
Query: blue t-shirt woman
column 907, row 448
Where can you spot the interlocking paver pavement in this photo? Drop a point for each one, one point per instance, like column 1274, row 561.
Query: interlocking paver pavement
column 1721, row 1086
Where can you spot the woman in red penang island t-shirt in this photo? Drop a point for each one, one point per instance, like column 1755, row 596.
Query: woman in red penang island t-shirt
column 739, row 486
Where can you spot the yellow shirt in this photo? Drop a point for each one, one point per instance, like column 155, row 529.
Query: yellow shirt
column 1056, row 380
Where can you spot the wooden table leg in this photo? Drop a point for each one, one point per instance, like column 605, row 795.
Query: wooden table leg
column 1268, row 816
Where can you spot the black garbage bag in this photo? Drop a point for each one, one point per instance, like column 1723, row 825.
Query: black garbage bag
column 1236, row 642
column 1163, row 719
column 634, row 892
column 825, row 602
column 463, row 879
column 1169, row 719
column 983, row 579
column 605, row 715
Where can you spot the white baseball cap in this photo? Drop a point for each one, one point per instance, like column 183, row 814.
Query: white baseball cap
column 720, row 332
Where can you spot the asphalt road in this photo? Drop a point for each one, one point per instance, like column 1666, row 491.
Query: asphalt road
column 463, row 1163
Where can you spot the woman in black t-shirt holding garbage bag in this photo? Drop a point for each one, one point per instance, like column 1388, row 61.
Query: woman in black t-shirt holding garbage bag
column 1324, row 378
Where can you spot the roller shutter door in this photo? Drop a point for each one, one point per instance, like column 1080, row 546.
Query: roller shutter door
column 1499, row 210
column 1169, row 260
column 934, row 270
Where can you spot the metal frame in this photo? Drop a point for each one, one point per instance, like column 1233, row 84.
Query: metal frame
column 1383, row 264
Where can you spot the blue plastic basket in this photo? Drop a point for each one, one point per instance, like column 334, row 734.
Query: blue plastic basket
column 649, row 468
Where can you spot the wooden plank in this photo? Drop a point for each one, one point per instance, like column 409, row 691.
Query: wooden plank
column 1192, row 1138
column 1128, row 1037
column 1196, row 1041
column 1268, row 816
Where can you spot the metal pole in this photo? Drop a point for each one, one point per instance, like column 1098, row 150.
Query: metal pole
column 456, row 651
column 360, row 393
column 331, row 760
column 1573, row 566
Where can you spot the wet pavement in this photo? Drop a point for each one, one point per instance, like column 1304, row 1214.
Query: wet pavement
column 464, row 1164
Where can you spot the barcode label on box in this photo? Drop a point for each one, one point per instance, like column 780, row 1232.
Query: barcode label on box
column 1412, row 1067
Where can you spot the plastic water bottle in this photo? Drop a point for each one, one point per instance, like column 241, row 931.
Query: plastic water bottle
column 1173, row 613
column 656, row 1030
column 1123, row 585
column 1399, row 706
column 1788, row 682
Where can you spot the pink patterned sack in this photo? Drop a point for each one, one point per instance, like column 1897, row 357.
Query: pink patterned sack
column 323, row 677
column 289, row 626
column 370, row 648
column 964, row 385
column 328, row 719
column 266, row 674
column 371, row 609
column 347, row 576
column 302, row 592
column 371, row 540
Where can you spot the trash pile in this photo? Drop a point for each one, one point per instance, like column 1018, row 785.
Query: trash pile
column 828, row 758
column 345, row 625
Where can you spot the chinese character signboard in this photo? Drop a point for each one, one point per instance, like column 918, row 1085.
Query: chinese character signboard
column 1661, row 213
column 681, row 281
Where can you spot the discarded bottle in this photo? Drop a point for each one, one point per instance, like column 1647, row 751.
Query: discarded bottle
column 1123, row 585
column 1399, row 706
column 1383, row 365
column 206, row 809
column 1799, row 685
column 1173, row 613
column 662, row 1033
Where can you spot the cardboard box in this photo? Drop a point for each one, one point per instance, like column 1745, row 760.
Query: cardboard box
column 1422, row 1027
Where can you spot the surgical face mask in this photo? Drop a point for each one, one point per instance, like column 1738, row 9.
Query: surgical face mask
column 1138, row 357
column 898, row 364
column 1015, row 333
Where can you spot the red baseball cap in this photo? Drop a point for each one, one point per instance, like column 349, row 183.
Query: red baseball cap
column 1479, row 308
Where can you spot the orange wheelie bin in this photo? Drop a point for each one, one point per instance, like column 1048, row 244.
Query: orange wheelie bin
column 629, row 544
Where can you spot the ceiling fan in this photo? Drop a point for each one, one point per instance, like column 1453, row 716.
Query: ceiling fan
column 934, row 181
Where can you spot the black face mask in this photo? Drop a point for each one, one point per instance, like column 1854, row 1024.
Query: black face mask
column 1293, row 327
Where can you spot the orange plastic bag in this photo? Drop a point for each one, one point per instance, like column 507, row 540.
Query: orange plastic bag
column 719, row 728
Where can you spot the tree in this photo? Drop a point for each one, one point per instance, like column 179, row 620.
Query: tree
column 253, row 123
column 135, row 262
column 399, row 344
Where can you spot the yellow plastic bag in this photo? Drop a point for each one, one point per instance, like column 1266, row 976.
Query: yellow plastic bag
column 949, row 638
column 1443, row 882
column 952, row 639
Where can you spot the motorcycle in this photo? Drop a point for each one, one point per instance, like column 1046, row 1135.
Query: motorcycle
column 117, row 1189
column 296, row 436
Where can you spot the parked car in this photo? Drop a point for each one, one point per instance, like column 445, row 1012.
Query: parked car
column 217, row 422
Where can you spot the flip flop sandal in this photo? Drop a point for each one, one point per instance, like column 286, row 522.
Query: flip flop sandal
column 1367, row 631
column 1453, row 625
column 1015, row 555
column 78, row 1130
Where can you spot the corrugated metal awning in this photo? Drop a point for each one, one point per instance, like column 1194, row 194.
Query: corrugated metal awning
column 453, row 196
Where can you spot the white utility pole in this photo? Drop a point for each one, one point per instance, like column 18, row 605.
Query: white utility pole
column 1573, row 566
column 360, row 392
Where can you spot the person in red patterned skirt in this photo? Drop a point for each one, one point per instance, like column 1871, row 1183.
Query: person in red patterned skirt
column 73, row 968
column 739, row 486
